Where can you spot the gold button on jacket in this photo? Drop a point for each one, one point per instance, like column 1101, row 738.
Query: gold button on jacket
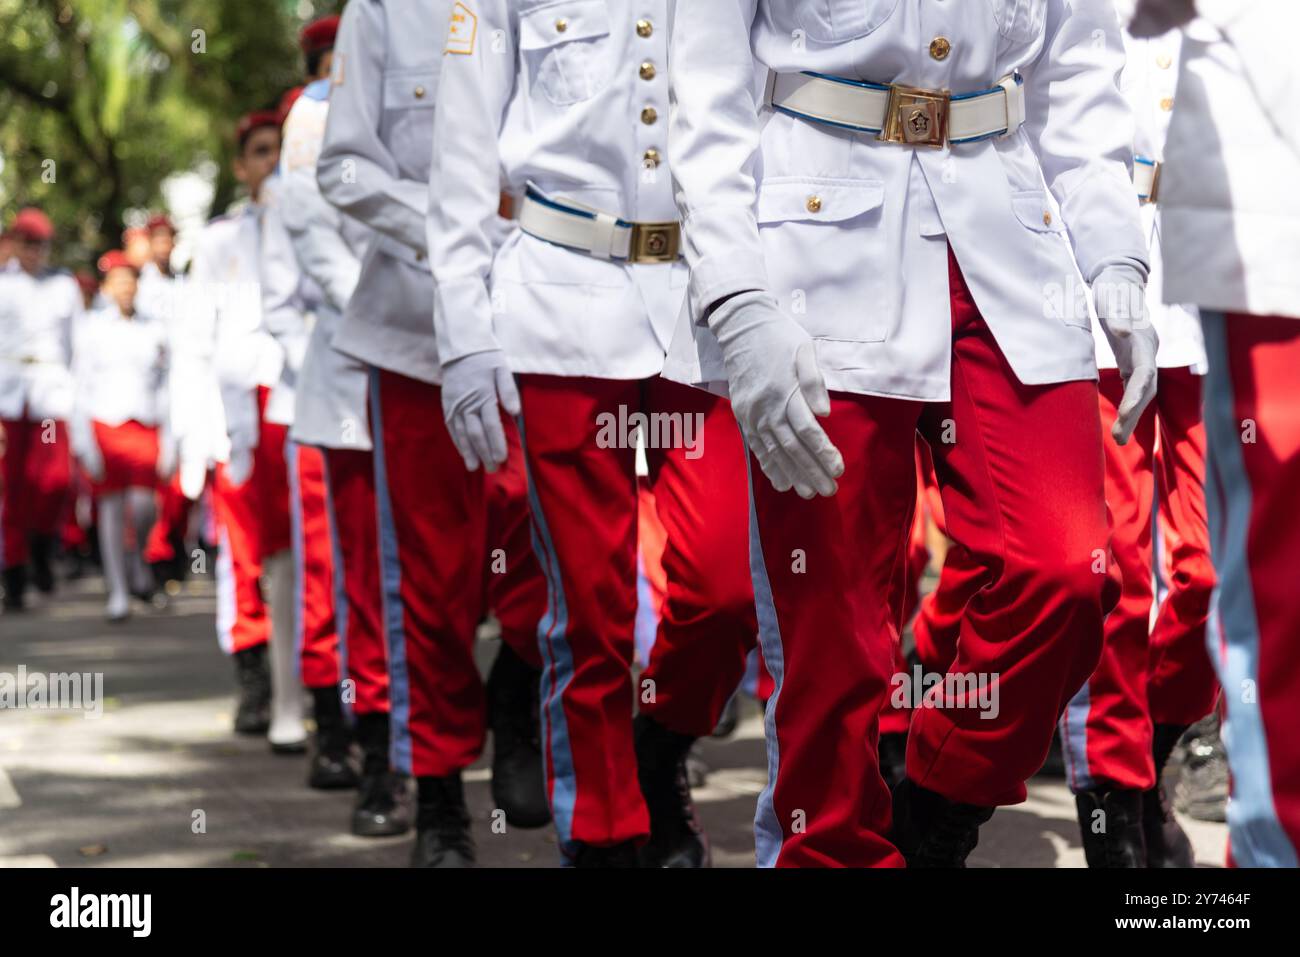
column 940, row 47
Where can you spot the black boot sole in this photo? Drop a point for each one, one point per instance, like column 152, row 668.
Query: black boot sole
column 365, row 825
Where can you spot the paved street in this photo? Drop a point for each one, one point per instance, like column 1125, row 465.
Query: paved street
column 131, row 787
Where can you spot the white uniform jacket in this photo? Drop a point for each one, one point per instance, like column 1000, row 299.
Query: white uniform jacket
column 331, row 393
column 1229, row 206
column 229, row 353
column 1149, row 82
column 572, row 97
column 37, row 318
column 850, row 234
column 287, row 297
column 121, row 368
column 374, row 166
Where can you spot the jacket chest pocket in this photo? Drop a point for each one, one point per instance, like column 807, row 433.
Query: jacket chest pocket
column 409, row 100
column 824, row 243
column 831, row 21
column 566, row 50
column 1020, row 20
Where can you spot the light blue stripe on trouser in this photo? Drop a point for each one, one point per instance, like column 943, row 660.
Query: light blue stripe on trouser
column 1074, row 740
column 340, row 588
column 557, row 668
column 227, row 593
column 299, row 553
column 1258, row 839
column 768, row 835
column 390, row 574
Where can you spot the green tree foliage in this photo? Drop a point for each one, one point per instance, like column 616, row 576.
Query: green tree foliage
column 101, row 100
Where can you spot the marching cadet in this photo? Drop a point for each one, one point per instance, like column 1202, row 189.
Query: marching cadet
column 159, row 288
column 330, row 416
column 871, row 244
column 239, row 361
column 120, row 364
column 38, row 309
column 1231, row 239
column 1154, row 680
column 434, row 517
column 289, row 298
column 570, row 100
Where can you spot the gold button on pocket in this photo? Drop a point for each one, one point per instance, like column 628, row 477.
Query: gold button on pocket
column 649, row 116
column 644, row 28
column 940, row 47
column 1047, row 219
column 561, row 25
column 651, row 158
column 1164, row 61
column 1167, row 104
column 814, row 204
column 419, row 92
column 648, row 71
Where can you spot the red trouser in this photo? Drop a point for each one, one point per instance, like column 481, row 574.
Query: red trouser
column 172, row 523
column 351, row 476
column 252, row 525
column 315, row 635
column 585, row 514
column 433, row 523
column 1106, row 731
column 1022, row 488
column 1252, row 418
column 37, row 474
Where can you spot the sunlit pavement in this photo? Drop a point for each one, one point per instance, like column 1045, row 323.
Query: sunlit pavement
column 159, row 780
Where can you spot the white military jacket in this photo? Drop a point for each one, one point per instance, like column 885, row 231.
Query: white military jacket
column 121, row 368
column 1148, row 82
column 571, row 97
column 37, row 319
column 331, row 393
column 374, row 166
column 850, row 234
column 1229, row 206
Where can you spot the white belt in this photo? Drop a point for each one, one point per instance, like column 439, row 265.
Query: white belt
column 599, row 234
column 1146, row 178
column 906, row 115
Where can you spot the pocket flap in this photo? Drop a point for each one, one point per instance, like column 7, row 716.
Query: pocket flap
column 562, row 23
column 817, row 200
column 1035, row 212
column 411, row 90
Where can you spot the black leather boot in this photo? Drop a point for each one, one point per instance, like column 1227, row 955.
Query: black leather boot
column 330, row 768
column 932, row 831
column 442, row 837
column 383, row 799
column 1167, row 842
column 518, row 778
column 1110, row 820
column 15, row 579
column 677, row 838
column 615, row 855
column 43, row 563
column 893, row 758
column 253, row 713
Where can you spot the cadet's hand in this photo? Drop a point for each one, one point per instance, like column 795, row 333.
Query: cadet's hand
column 475, row 389
column 1155, row 17
column 92, row 461
column 1120, row 296
column 777, row 392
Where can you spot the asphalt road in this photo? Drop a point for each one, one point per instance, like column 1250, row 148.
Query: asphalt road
column 132, row 786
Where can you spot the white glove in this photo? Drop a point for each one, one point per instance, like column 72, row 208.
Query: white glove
column 1119, row 293
column 777, row 392
column 475, row 388
column 166, row 464
column 92, row 461
column 85, row 449
column 240, row 467
column 194, row 475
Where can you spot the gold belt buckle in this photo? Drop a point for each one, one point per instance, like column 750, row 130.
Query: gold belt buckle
column 655, row 243
column 1154, row 196
column 916, row 117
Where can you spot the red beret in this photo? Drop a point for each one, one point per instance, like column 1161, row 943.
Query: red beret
column 256, row 121
column 115, row 259
column 160, row 221
column 319, row 35
column 287, row 101
column 33, row 224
